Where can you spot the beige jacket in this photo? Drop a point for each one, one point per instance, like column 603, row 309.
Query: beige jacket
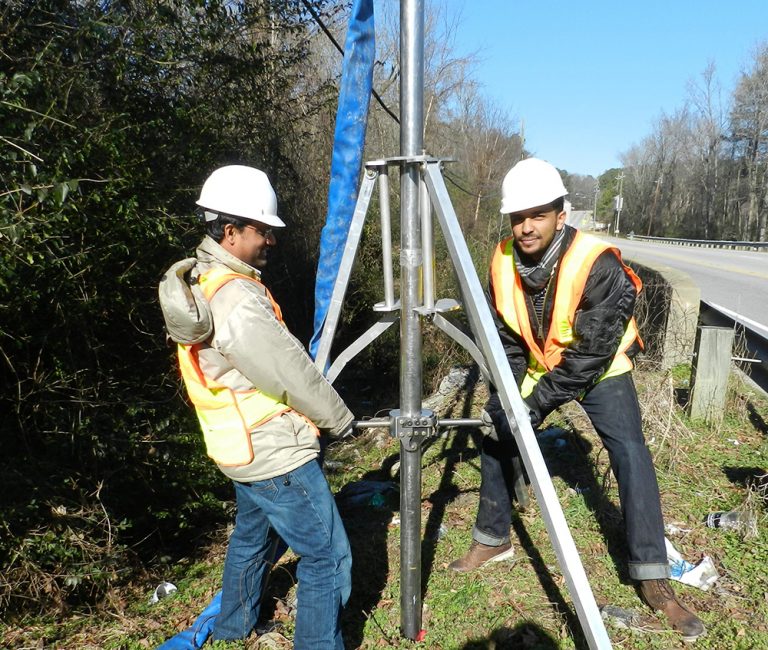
column 244, row 346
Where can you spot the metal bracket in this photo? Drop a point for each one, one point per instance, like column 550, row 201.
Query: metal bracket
column 412, row 429
column 443, row 305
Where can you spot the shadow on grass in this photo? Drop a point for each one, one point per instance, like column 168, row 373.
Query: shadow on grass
column 524, row 635
column 455, row 449
column 366, row 528
column 755, row 478
column 553, row 592
column 757, row 420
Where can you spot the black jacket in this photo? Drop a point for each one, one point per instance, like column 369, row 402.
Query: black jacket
column 601, row 318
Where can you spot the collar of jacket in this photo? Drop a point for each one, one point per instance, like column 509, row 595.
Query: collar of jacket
column 211, row 252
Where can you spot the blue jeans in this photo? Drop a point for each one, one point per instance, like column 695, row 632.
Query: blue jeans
column 299, row 507
column 614, row 412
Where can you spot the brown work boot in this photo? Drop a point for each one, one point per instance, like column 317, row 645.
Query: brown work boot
column 660, row 596
column 481, row 554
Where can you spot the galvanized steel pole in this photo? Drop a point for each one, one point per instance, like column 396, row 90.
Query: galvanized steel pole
column 411, row 260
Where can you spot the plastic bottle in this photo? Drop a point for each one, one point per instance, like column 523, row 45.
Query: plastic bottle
column 732, row 520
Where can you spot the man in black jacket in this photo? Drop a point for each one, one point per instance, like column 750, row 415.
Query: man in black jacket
column 563, row 302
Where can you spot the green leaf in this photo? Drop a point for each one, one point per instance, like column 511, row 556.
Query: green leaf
column 22, row 79
column 60, row 192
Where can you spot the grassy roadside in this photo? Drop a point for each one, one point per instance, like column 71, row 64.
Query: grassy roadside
column 518, row 604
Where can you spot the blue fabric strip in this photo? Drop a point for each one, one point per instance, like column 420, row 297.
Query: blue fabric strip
column 346, row 160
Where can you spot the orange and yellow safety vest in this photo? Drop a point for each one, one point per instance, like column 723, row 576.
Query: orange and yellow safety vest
column 574, row 269
column 227, row 417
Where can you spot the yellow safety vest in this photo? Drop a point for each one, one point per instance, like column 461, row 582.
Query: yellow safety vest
column 574, row 269
column 227, row 417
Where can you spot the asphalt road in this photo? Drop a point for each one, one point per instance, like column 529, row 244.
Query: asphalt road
column 736, row 280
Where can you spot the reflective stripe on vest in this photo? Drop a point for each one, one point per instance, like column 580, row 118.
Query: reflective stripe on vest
column 574, row 269
column 226, row 416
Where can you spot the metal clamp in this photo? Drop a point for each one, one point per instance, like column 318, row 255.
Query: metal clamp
column 410, row 430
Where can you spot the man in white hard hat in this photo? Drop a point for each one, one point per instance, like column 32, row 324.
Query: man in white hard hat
column 563, row 301
column 262, row 406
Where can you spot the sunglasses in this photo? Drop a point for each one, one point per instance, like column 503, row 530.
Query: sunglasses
column 267, row 234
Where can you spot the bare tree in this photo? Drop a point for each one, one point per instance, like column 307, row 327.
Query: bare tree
column 707, row 146
column 749, row 133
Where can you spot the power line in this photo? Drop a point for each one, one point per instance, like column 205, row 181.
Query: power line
column 490, row 195
column 330, row 36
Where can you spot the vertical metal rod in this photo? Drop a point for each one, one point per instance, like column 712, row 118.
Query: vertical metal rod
column 411, row 144
column 386, row 237
column 427, row 243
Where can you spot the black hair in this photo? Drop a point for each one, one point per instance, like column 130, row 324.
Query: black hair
column 215, row 229
column 558, row 204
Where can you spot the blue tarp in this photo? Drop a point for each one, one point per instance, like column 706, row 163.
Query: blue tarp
column 197, row 634
column 346, row 161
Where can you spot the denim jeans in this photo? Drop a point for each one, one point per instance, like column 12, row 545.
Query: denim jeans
column 299, row 507
column 614, row 412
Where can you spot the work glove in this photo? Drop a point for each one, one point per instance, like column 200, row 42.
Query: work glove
column 534, row 411
column 343, row 434
column 495, row 412
column 534, row 415
column 488, row 428
column 349, row 431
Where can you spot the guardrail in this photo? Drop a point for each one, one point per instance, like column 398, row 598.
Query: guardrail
column 706, row 243
column 756, row 365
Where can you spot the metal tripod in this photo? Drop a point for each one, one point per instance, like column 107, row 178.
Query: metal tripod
column 413, row 425
column 423, row 189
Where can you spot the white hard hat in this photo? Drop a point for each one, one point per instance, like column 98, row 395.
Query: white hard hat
column 240, row 191
column 529, row 184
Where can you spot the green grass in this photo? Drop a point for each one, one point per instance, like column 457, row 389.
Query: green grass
column 523, row 603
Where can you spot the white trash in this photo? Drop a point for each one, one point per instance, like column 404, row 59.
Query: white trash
column 163, row 589
column 703, row 574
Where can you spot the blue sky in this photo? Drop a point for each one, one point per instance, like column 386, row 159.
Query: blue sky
column 590, row 78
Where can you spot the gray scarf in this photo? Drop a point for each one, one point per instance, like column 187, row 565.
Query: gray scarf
column 536, row 275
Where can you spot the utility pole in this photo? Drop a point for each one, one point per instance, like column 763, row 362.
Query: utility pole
column 594, row 209
column 619, row 203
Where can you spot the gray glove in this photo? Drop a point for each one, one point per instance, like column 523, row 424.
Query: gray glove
column 488, row 428
column 348, row 432
column 493, row 411
column 534, row 412
column 333, row 436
